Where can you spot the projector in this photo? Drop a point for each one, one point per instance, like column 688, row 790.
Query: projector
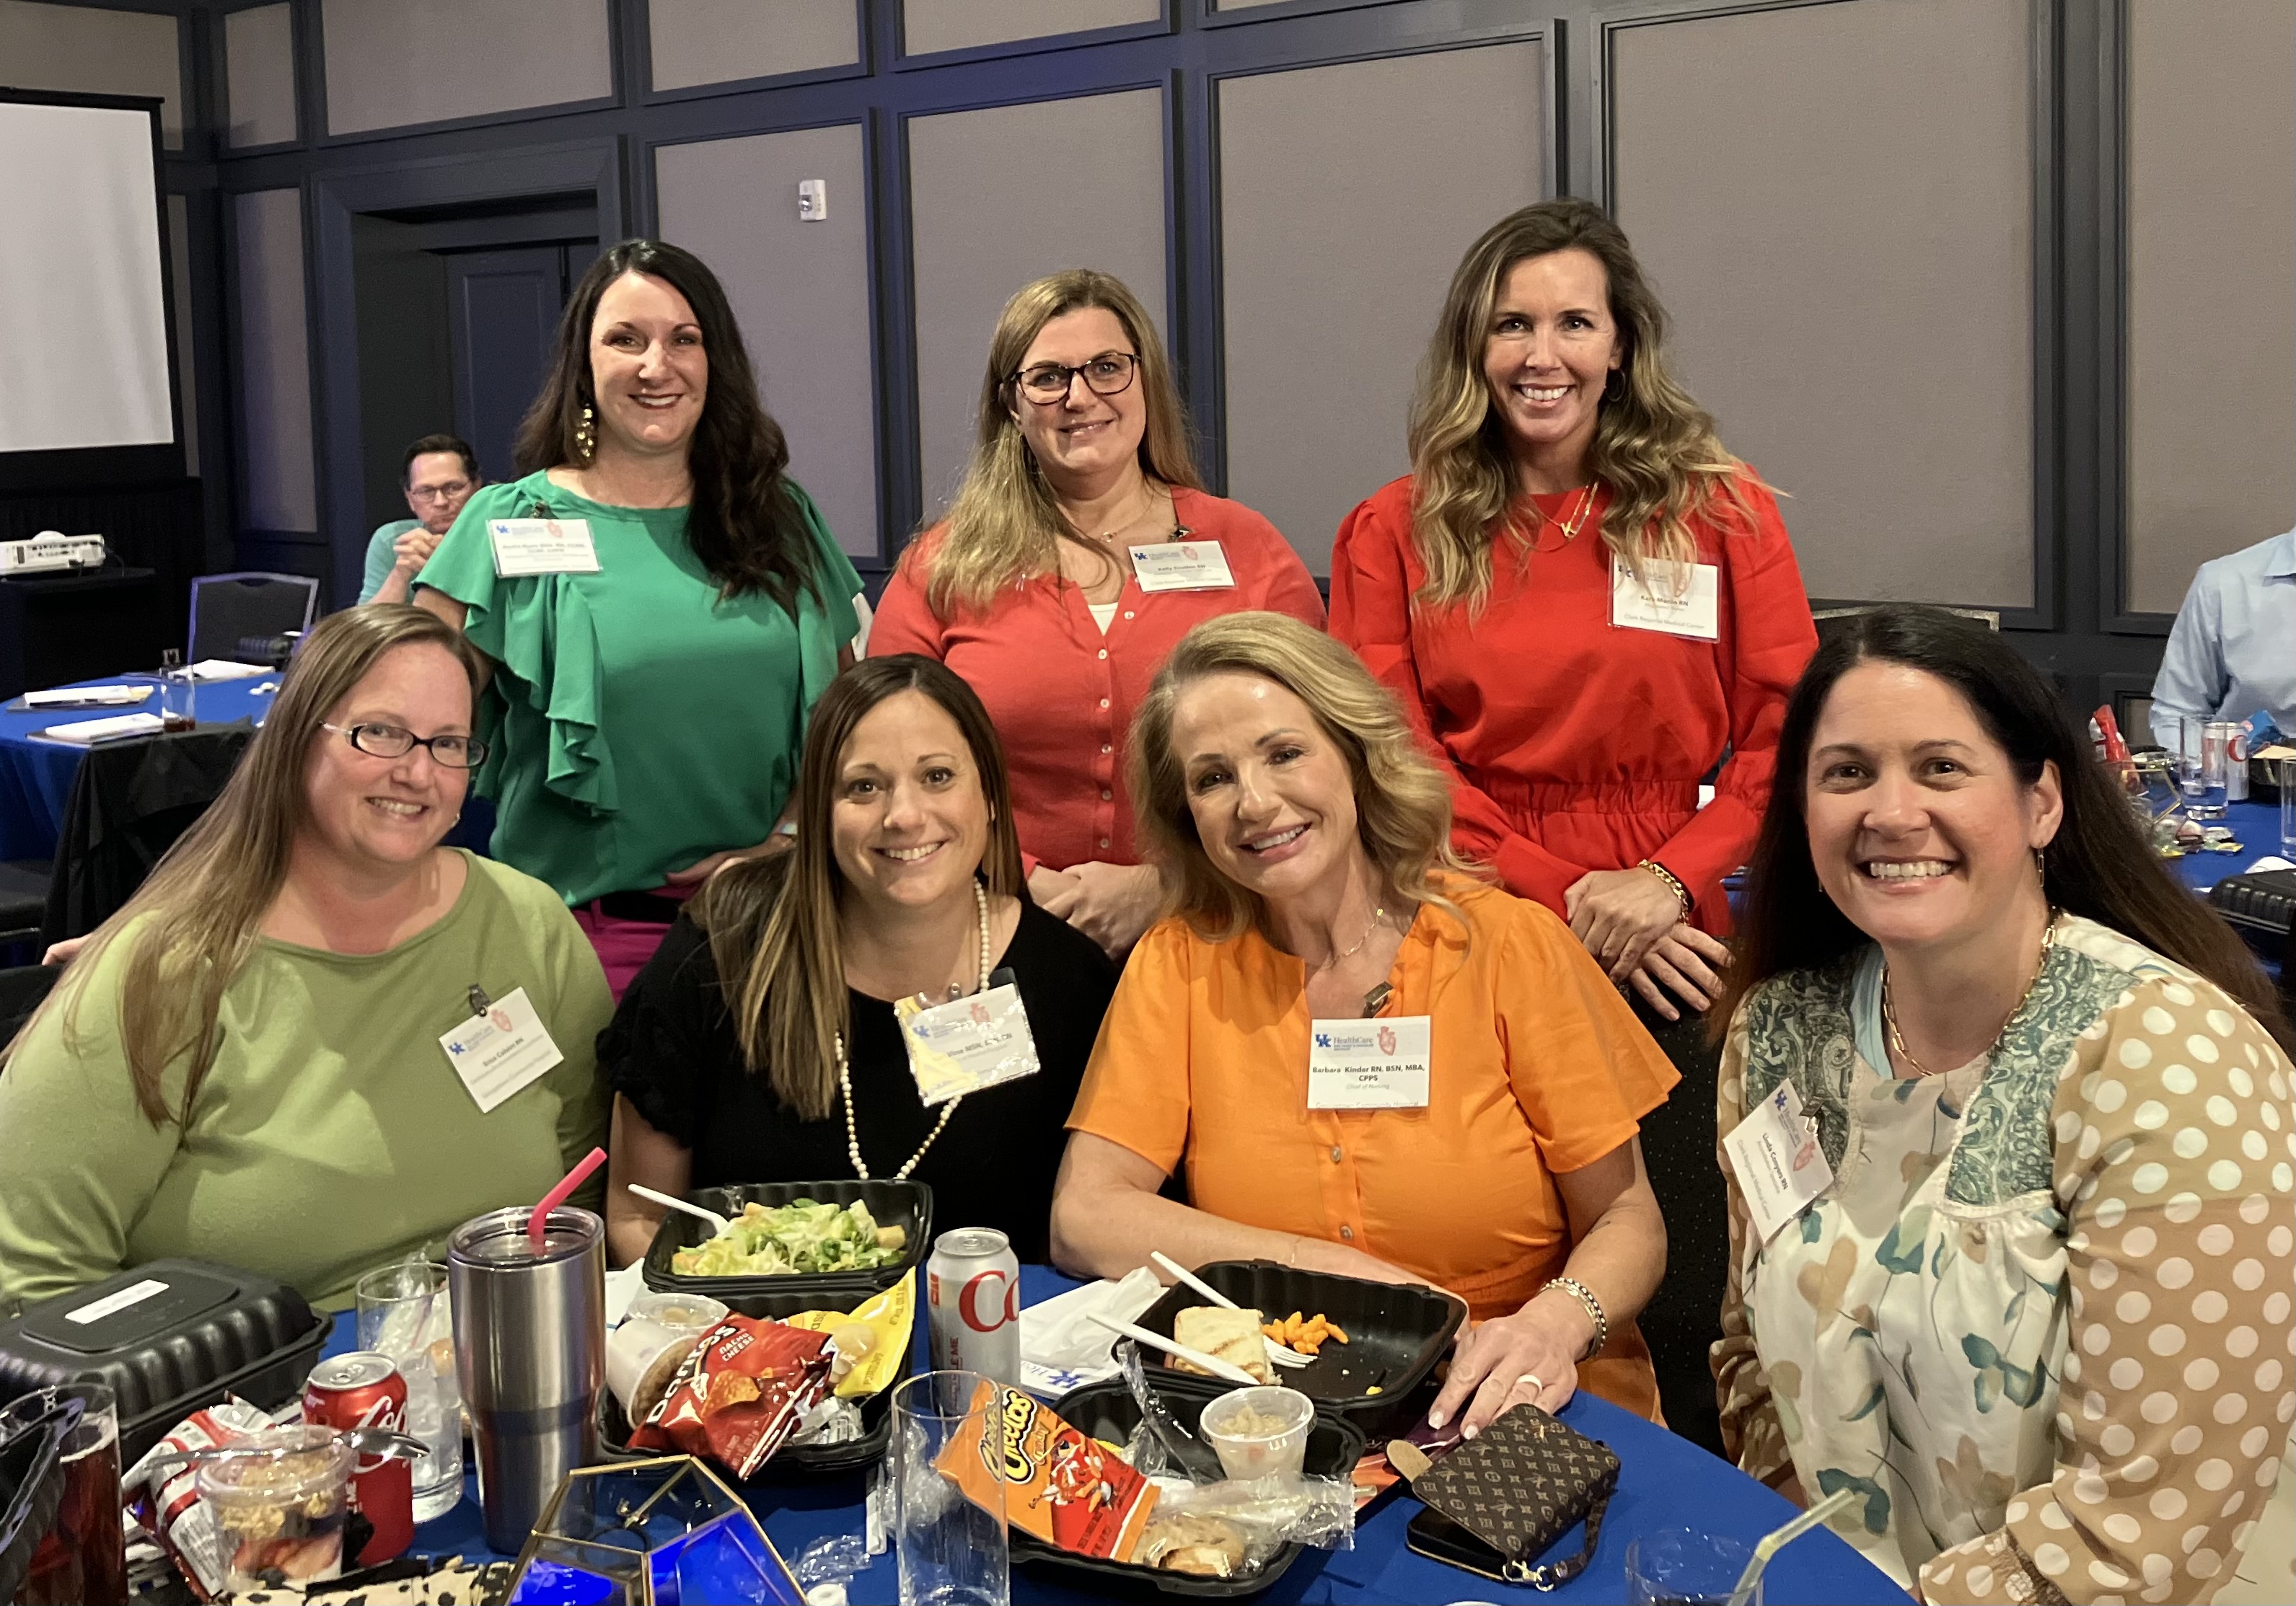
column 50, row 552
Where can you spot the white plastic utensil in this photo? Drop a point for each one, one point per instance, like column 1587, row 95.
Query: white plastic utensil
column 717, row 1224
column 1281, row 1355
column 1195, row 1358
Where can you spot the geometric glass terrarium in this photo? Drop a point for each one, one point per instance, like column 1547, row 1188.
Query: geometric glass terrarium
column 665, row 1532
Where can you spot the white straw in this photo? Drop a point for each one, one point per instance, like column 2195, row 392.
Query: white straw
column 1770, row 1544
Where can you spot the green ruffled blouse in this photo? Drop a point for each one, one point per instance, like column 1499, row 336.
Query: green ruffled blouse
column 639, row 721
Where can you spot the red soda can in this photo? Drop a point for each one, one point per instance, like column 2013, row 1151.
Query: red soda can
column 363, row 1389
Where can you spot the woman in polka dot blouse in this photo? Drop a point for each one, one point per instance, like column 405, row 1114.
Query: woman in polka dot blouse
column 2039, row 1318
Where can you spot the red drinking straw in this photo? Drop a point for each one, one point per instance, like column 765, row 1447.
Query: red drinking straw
column 539, row 1222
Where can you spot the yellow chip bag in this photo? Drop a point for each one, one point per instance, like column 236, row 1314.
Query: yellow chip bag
column 873, row 1337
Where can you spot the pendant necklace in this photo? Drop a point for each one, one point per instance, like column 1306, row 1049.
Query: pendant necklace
column 1898, row 1038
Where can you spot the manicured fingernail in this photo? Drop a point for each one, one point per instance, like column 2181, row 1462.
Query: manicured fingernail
column 1436, row 1418
column 1471, row 1432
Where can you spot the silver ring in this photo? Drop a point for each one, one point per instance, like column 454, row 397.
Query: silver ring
column 1533, row 1379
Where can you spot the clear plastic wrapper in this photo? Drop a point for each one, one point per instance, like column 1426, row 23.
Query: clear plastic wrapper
column 1231, row 1530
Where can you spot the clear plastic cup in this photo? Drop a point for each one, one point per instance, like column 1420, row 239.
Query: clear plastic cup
column 1259, row 1432
column 402, row 1313
column 280, row 1500
column 1677, row 1567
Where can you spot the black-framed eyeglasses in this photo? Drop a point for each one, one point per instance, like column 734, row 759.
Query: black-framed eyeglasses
column 396, row 742
column 1108, row 374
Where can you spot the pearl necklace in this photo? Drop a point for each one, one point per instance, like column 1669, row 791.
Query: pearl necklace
column 845, row 1072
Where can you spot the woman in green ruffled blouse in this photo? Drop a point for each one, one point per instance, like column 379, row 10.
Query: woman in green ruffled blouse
column 652, row 673
column 2039, row 1322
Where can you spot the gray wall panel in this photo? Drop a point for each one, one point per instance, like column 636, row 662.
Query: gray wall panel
column 259, row 48
column 2211, row 369
column 179, row 268
column 985, row 222
column 395, row 63
column 931, row 25
column 721, row 41
column 278, row 489
column 801, row 290
column 1836, row 204
column 92, row 51
column 1348, row 194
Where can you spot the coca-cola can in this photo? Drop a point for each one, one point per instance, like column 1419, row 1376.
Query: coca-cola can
column 364, row 1390
column 973, row 1290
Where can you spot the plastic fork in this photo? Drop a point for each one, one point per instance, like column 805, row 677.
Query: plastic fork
column 717, row 1224
column 1280, row 1354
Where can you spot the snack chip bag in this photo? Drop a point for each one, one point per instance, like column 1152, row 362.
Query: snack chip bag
column 871, row 1341
column 738, row 1394
column 1067, row 1489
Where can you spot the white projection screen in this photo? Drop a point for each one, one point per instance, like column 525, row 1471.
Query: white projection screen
column 84, row 346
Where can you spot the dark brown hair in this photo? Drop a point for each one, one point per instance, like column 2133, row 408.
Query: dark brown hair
column 2098, row 865
column 429, row 444
column 745, row 525
column 772, row 922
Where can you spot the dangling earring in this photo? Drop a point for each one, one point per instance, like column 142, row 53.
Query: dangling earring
column 2041, row 866
column 586, row 435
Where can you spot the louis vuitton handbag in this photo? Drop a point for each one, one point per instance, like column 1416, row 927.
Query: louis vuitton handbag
column 1502, row 1499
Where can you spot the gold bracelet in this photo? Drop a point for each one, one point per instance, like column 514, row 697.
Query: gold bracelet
column 1586, row 1296
column 1673, row 882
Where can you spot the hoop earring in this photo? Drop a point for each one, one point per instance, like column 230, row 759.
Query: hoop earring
column 586, row 434
column 1619, row 374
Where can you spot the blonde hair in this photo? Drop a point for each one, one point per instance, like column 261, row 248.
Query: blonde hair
column 772, row 922
column 200, row 912
column 1403, row 804
column 1654, row 447
column 1005, row 526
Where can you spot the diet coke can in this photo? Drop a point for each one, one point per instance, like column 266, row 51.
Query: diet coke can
column 363, row 1389
column 972, row 1288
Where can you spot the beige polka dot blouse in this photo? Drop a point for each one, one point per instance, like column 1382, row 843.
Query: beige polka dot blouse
column 2041, row 1321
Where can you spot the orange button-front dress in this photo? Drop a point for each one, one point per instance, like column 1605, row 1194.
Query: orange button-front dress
column 1062, row 691
column 1577, row 744
column 1537, row 1068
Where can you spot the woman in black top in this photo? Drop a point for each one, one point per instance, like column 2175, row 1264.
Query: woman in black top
column 760, row 1044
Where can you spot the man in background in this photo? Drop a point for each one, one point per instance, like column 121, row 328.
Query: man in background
column 439, row 475
column 2233, row 647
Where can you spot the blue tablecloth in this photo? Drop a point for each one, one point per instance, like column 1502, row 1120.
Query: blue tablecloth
column 35, row 773
column 1665, row 1482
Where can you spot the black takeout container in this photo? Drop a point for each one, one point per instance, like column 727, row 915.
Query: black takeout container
column 908, row 1205
column 1397, row 1333
column 1108, row 1412
column 792, row 1463
column 170, row 1338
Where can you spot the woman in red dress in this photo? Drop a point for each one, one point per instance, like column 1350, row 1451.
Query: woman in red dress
column 1584, row 599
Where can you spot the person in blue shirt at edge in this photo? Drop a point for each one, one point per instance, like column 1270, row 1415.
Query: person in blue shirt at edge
column 439, row 475
column 2233, row 650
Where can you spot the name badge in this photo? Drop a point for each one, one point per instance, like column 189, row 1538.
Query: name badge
column 966, row 1045
column 1181, row 566
column 1780, row 1166
column 525, row 547
column 1369, row 1064
column 1678, row 599
column 501, row 1050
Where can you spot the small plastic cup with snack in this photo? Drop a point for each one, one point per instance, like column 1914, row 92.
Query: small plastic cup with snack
column 1259, row 1432
column 280, row 1499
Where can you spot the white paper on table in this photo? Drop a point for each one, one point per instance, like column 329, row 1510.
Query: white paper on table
column 86, row 731
column 84, row 697
column 2270, row 861
column 223, row 669
column 622, row 1287
column 1061, row 1348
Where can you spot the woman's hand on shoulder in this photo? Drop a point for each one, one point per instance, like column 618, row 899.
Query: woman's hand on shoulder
column 1620, row 915
column 1531, row 1357
column 1111, row 904
column 1685, row 962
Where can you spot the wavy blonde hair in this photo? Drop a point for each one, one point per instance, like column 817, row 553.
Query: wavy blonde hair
column 1654, row 447
column 1005, row 526
column 1403, row 804
column 197, row 915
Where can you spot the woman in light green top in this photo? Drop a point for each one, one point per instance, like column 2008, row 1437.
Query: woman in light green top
column 244, row 1065
column 648, row 695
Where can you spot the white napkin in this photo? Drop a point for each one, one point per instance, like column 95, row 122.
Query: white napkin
column 84, row 731
column 622, row 1287
column 223, row 669
column 1061, row 1348
column 85, row 697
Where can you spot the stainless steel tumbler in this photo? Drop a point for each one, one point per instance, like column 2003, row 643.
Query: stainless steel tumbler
column 531, row 1350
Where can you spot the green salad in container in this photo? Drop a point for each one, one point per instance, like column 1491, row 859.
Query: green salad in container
column 801, row 1236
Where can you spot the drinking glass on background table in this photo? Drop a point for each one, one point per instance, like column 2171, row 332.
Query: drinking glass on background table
column 1674, row 1567
column 84, row 1557
column 404, row 1312
column 952, row 1550
column 178, row 693
column 2288, row 808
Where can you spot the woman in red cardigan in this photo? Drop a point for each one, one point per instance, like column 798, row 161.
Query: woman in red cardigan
column 1079, row 552
column 1583, row 600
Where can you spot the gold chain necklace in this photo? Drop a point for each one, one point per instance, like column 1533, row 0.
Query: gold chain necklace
column 1378, row 913
column 1898, row 1038
column 1571, row 526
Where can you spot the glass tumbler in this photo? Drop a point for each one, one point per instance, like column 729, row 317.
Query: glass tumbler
column 2288, row 808
column 402, row 1313
column 1675, row 1565
column 951, row 1547
column 83, row 1558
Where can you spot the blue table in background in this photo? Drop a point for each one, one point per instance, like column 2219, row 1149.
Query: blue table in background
column 1665, row 1481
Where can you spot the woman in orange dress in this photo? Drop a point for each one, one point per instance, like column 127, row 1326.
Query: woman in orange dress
column 1303, row 836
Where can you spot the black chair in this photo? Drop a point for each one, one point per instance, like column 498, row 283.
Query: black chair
column 129, row 802
column 1684, row 1318
column 23, row 898
column 21, row 990
column 227, row 608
